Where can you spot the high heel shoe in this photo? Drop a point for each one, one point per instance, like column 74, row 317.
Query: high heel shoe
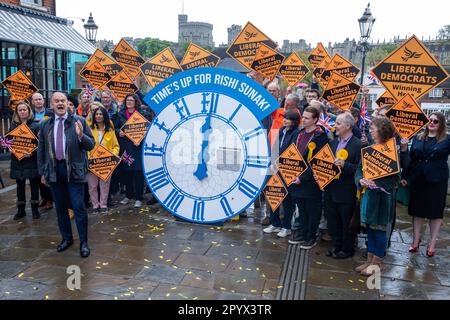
column 430, row 254
column 413, row 249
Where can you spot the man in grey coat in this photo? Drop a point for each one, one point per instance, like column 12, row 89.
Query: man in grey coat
column 64, row 141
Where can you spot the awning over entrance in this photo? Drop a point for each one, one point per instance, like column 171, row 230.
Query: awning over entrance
column 53, row 33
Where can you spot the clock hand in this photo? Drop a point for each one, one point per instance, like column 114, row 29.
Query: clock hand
column 202, row 170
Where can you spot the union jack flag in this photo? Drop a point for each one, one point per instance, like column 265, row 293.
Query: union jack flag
column 364, row 115
column 6, row 144
column 327, row 122
column 90, row 90
column 372, row 77
column 127, row 159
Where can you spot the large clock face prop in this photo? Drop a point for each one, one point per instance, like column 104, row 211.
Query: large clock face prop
column 206, row 154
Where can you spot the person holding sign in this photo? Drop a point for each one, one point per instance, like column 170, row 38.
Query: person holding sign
column 305, row 191
column 428, row 174
column 377, row 202
column 288, row 136
column 132, row 173
column 62, row 161
column 104, row 135
column 27, row 168
column 340, row 195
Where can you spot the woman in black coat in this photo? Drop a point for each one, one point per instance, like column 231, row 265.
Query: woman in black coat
column 132, row 176
column 428, row 174
column 26, row 168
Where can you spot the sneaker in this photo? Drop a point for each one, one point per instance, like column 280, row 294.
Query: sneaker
column 296, row 238
column 284, row 233
column 309, row 244
column 138, row 204
column 272, row 229
column 125, row 201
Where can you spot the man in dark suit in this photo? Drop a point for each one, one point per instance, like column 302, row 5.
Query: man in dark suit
column 64, row 141
column 340, row 195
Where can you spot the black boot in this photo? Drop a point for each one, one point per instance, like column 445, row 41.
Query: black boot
column 20, row 212
column 35, row 211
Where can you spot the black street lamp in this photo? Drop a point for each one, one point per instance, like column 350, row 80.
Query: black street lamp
column 91, row 30
column 366, row 23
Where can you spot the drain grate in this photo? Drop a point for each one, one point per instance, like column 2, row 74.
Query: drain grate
column 292, row 284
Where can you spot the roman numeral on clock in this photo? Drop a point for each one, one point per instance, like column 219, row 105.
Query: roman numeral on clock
column 174, row 200
column 153, row 151
column 198, row 214
column 248, row 189
column 254, row 133
column 157, row 179
column 226, row 207
column 182, row 109
column 258, row 162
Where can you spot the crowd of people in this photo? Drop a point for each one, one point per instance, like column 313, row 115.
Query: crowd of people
column 69, row 129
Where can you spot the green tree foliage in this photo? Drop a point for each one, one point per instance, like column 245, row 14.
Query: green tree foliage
column 149, row 47
column 444, row 32
column 377, row 54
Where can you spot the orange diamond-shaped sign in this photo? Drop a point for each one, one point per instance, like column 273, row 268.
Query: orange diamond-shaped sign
column 103, row 162
column 341, row 92
column 197, row 57
column 293, row 70
column 19, row 86
column 111, row 66
column 121, row 85
column 96, row 75
column 128, row 58
column 246, row 45
column 318, row 55
column 267, row 61
column 275, row 192
column 291, row 165
column 24, row 141
column 380, row 160
column 160, row 67
column 410, row 69
column 323, row 167
column 136, row 128
column 386, row 98
column 341, row 66
column 320, row 69
column 408, row 117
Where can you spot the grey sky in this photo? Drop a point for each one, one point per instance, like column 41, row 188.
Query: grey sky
column 312, row 20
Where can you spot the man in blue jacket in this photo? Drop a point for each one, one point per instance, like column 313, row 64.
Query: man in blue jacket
column 64, row 141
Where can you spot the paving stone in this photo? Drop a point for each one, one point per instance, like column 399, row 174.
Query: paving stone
column 400, row 288
column 199, row 262
column 330, row 293
column 235, row 284
column 410, row 274
column 9, row 269
column 162, row 274
column 14, row 289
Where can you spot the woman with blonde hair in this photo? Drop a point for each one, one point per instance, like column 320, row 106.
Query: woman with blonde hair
column 27, row 168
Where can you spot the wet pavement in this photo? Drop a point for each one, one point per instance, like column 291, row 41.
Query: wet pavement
column 147, row 254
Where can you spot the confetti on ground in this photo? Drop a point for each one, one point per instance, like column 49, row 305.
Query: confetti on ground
column 20, row 275
column 351, row 281
column 188, row 272
column 253, row 291
column 142, row 237
column 280, row 287
column 223, row 289
column 119, row 240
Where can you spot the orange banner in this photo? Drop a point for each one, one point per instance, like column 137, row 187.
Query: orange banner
column 341, row 66
column 121, row 85
column 318, row 55
column 19, row 86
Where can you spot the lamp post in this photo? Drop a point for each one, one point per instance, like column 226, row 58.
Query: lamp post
column 91, row 30
column 366, row 23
